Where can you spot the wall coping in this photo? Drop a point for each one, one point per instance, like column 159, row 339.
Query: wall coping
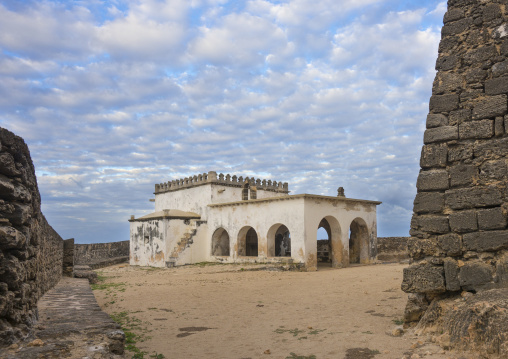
column 167, row 214
column 294, row 197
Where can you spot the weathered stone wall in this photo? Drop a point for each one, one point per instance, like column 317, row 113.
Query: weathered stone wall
column 392, row 249
column 68, row 257
column 459, row 236
column 30, row 250
column 101, row 254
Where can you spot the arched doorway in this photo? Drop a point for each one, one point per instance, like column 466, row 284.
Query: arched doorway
column 358, row 241
column 330, row 249
column 220, row 242
column 248, row 242
column 279, row 241
column 323, row 243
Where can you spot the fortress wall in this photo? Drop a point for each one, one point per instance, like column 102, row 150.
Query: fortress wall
column 392, row 249
column 459, row 235
column 31, row 252
column 95, row 254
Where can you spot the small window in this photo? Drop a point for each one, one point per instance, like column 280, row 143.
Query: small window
column 245, row 191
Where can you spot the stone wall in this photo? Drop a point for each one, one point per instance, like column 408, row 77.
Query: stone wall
column 30, row 250
column 459, row 236
column 98, row 255
column 68, row 257
column 392, row 249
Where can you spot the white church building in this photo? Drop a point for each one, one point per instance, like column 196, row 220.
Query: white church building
column 230, row 219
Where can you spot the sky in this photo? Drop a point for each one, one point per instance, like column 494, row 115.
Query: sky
column 113, row 96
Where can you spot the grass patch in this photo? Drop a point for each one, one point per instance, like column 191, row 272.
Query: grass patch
column 205, row 264
column 297, row 332
column 132, row 326
column 398, row 321
column 108, row 286
column 295, row 356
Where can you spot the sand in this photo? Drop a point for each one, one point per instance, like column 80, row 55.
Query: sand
column 233, row 311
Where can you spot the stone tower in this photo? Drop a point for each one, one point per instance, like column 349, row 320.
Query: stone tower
column 459, row 236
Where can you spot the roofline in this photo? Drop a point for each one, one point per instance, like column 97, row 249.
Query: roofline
column 293, row 197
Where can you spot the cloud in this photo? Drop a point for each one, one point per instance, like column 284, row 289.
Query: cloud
column 114, row 97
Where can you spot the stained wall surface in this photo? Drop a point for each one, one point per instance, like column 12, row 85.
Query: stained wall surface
column 31, row 252
column 459, row 236
column 95, row 253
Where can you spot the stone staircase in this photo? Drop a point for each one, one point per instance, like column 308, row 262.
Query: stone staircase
column 184, row 243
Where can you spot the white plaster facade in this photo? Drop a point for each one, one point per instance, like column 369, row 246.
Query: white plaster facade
column 209, row 218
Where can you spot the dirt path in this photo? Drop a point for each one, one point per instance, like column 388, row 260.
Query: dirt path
column 222, row 311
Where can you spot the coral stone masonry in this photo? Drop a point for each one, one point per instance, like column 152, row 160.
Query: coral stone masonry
column 224, row 218
column 31, row 252
column 459, row 235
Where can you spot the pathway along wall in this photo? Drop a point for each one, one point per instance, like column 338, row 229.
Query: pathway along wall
column 459, row 236
column 31, row 252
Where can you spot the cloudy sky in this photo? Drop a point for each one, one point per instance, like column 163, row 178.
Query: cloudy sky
column 113, row 96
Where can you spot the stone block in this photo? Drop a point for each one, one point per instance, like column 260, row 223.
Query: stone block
column 460, row 152
column 495, row 169
column 8, row 166
column 451, row 272
column 491, row 149
column 491, row 12
column 444, row 103
column 446, row 82
column 423, row 278
column 459, row 116
column 498, row 126
column 474, row 197
column 490, row 106
column 476, row 129
column 470, row 95
column 477, row 56
column 13, row 191
column 500, row 68
column 463, row 175
column 11, row 238
column 419, row 248
column 436, row 120
column 432, row 180
column 434, row 155
column 502, row 270
column 456, row 27
column 440, row 134
column 450, row 243
column 416, row 306
column 496, row 86
column 475, row 75
column 486, row 241
column 433, row 224
column 453, row 14
column 428, row 202
column 446, row 63
column 491, row 218
column 463, row 221
column 474, row 275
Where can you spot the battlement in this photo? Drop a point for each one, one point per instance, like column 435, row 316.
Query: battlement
column 226, row 180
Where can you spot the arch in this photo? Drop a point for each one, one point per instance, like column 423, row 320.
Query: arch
column 279, row 241
column 248, row 242
column 220, row 242
column 358, row 241
column 335, row 247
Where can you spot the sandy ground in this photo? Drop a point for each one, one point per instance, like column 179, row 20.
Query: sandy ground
column 232, row 311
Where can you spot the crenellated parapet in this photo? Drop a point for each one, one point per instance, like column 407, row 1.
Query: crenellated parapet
column 226, row 180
